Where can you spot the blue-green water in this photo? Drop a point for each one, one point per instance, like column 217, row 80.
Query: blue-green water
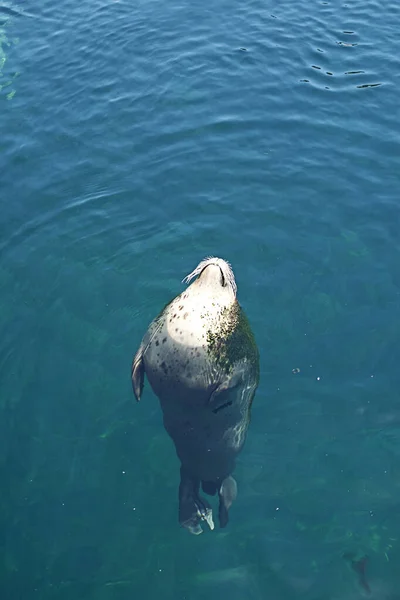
column 137, row 138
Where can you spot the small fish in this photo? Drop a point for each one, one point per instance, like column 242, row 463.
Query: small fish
column 358, row 565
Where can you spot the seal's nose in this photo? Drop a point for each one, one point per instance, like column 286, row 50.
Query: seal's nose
column 212, row 274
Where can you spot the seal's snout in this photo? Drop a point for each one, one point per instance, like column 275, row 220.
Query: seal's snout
column 214, row 271
column 212, row 274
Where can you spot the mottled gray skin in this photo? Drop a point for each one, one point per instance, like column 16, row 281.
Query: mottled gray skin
column 202, row 362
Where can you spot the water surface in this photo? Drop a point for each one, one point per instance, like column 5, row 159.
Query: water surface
column 137, row 138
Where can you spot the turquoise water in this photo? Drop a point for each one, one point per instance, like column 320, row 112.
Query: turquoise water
column 137, row 138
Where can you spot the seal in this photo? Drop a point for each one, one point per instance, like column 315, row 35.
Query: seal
column 202, row 362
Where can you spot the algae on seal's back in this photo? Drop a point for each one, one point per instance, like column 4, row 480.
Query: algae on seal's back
column 202, row 361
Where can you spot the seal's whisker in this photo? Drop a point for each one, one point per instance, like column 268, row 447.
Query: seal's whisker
column 222, row 264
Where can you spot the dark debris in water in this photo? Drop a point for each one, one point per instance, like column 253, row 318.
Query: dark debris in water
column 368, row 85
column 320, row 68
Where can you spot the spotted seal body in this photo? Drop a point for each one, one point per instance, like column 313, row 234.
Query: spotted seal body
column 202, row 362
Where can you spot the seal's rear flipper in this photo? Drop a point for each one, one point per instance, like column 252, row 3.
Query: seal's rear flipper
column 138, row 374
column 193, row 508
column 227, row 494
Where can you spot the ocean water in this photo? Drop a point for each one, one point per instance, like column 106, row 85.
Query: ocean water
column 137, row 138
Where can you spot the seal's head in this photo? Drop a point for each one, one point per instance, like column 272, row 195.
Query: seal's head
column 214, row 276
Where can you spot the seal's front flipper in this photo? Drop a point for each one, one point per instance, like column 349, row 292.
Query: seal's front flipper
column 227, row 494
column 138, row 374
column 225, row 394
column 193, row 508
column 137, row 363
